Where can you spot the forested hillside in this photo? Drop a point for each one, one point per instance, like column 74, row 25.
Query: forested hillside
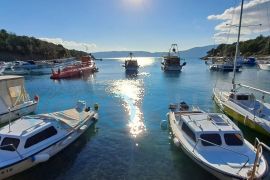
column 14, row 47
column 254, row 47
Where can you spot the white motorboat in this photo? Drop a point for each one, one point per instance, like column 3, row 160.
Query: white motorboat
column 131, row 65
column 14, row 100
column 215, row 143
column 264, row 65
column 244, row 107
column 35, row 139
column 172, row 61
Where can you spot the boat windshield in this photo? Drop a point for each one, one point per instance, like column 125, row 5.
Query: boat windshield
column 233, row 139
column 10, row 144
column 173, row 61
column 213, row 138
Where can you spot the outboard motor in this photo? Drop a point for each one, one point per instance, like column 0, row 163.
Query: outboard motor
column 184, row 106
column 173, row 107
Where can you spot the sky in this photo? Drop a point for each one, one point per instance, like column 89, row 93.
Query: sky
column 148, row 25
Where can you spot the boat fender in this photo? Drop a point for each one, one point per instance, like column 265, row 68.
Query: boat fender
column 66, row 140
column 184, row 63
column 40, row 158
column 176, row 142
column 83, row 128
column 96, row 107
column 36, row 98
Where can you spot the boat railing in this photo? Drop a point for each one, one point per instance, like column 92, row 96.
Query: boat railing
column 258, row 147
column 13, row 147
column 36, row 125
column 222, row 147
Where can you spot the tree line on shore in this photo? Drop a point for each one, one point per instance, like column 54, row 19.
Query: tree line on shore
column 13, row 47
column 254, row 47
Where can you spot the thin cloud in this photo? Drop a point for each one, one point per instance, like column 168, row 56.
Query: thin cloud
column 87, row 47
column 255, row 12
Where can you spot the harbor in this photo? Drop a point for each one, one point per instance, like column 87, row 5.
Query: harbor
column 186, row 97
column 128, row 141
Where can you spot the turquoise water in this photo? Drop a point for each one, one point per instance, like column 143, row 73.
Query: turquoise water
column 127, row 142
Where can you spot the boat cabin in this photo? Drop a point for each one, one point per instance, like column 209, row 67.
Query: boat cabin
column 12, row 92
column 27, row 136
column 210, row 130
column 171, row 61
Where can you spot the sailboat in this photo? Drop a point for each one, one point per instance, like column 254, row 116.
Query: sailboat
column 244, row 107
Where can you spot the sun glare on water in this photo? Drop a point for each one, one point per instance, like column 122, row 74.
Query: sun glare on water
column 131, row 92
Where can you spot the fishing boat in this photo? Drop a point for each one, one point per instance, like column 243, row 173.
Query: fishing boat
column 131, row 65
column 244, row 106
column 264, row 65
column 14, row 100
column 172, row 61
column 87, row 65
column 35, row 139
column 216, row 144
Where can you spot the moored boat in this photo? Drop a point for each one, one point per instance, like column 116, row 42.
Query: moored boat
column 172, row 61
column 131, row 65
column 244, row 107
column 264, row 65
column 35, row 139
column 87, row 65
column 14, row 100
column 216, row 144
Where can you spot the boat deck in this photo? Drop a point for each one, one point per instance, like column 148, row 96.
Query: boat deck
column 71, row 116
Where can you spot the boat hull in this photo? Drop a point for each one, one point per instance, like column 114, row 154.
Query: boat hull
column 216, row 172
column 171, row 68
column 18, row 112
column 73, row 73
column 245, row 120
column 52, row 150
column 264, row 67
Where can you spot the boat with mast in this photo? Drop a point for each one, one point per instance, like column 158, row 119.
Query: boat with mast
column 172, row 61
column 131, row 65
column 244, row 107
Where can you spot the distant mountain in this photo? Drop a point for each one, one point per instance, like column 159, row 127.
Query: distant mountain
column 193, row 52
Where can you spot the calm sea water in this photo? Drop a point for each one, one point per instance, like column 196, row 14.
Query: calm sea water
column 127, row 142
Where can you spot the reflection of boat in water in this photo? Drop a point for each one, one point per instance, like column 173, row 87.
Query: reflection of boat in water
column 215, row 143
column 14, row 100
column 35, row 139
column 131, row 65
column 87, row 65
column 244, row 107
column 172, row 61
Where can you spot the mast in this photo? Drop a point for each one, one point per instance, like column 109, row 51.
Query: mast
column 237, row 47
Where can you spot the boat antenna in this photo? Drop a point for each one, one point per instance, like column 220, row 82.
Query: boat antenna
column 237, row 47
column 9, row 119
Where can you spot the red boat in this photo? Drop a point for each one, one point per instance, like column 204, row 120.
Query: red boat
column 87, row 65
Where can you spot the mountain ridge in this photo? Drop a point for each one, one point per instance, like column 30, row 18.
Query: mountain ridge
column 195, row 52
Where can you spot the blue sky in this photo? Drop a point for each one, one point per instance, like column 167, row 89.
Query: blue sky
column 103, row 25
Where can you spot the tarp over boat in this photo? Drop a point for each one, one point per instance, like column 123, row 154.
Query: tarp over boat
column 12, row 92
